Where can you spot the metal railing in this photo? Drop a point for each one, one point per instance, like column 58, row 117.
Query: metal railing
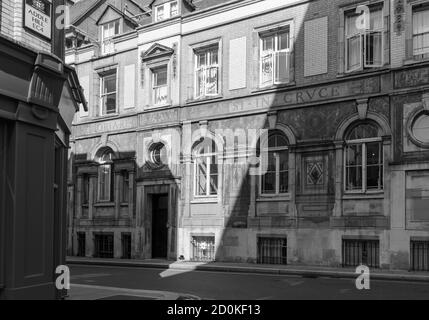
column 361, row 252
column 272, row 250
column 203, row 248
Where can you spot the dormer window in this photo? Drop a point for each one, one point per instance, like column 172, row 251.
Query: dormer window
column 166, row 11
column 108, row 31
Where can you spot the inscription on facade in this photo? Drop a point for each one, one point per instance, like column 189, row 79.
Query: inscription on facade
column 411, row 78
column 290, row 98
column 106, row 126
column 166, row 116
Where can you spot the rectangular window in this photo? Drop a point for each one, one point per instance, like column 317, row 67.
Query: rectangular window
column 85, row 189
column 275, row 58
column 160, row 85
column 203, row 248
column 357, row 252
column 421, row 30
column 160, row 13
column 364, row 43
column 364, row 166
column 207, row 72
column 272, row 250
column 206, row 176
column 103, row 245
column 126, row 245
column 166, row 11
column 173, row 9
column 108, row 91
column 105, row 183
column 108, row 31
column 419, row 255
column 125, row 186
column 81, row 244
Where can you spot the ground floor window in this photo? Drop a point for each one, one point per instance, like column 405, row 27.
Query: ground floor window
column 361, row 252
column 126, row 246
column 81, row 244
column 272, row 250
column 103, row 244
column 419, row 255
column 203, row 248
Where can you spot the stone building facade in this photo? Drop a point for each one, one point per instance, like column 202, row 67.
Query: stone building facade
column 255, row 131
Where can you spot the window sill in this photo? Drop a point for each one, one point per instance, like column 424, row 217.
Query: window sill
column 415, row 61
column 348, row 195
column 104, row 204
column 273, row 198
column 205, row 200
column 204, row 99
column 363, row 71
column 274, row 87
column 158, row 106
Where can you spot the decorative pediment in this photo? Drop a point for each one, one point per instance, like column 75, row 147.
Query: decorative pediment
column 156, row 51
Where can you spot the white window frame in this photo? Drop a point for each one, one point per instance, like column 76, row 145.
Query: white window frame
column 276, row 52
column 177, row 9
column 154, row 87
column 363, row 64
column 261, row 175
column 204, row 69
column 208, row 157
column 107, row 45
column 415, row 10
column 363, row 143
column 102, row 94
column 167, row 13
column 109, row 183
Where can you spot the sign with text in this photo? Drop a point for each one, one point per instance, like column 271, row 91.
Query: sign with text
column 38, row 17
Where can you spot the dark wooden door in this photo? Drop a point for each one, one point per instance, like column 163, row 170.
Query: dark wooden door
column 159, row 226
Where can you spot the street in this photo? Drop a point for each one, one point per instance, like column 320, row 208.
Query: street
column 230, row 286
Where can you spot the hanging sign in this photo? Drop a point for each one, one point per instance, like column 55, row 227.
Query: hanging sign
column 38, row 17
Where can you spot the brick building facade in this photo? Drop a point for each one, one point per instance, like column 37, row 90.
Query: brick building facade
column 164, row 160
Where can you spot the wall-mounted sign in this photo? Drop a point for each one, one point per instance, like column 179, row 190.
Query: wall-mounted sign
column 38, row 15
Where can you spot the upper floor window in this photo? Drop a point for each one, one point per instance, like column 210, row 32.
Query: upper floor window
column 108, row 90
column 160, row 85
column 108, row 31
column 105, row 176
column 206, row 169
column 166, row 11
column 275, row 180
column 364, row 159
column 275, row 58
column 364, row 41
column 207, row 71
column 421, row 30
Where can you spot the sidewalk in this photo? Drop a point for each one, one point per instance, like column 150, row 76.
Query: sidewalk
column 305, row 271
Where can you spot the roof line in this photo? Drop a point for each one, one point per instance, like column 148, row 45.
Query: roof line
column 96, row 4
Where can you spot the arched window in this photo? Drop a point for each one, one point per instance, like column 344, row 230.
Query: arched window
column 275, row 175
column 363, row 158
column 105, row 175
column 206, row 169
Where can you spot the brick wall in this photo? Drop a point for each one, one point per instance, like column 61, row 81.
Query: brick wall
column 11, row 25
